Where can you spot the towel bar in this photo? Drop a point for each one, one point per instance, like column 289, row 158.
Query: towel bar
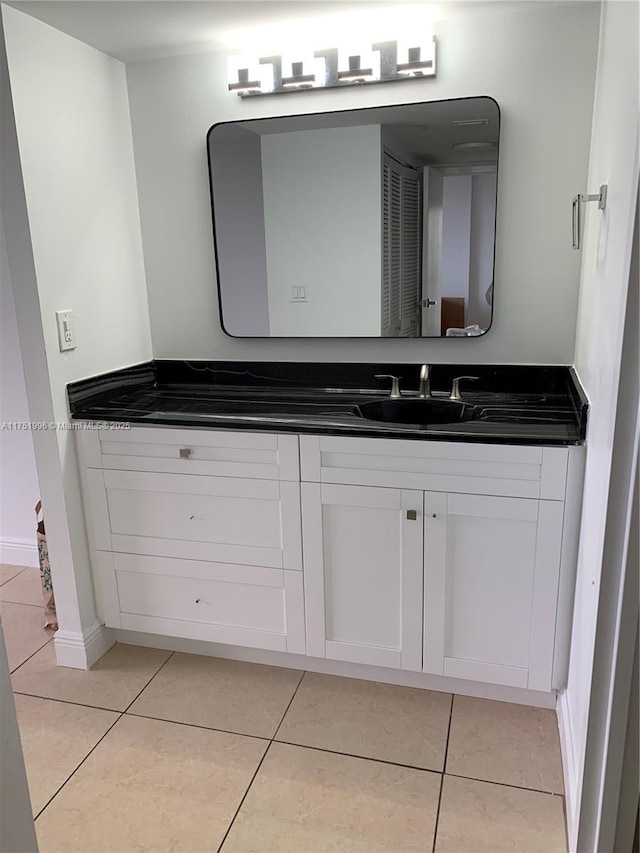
column 600, row 197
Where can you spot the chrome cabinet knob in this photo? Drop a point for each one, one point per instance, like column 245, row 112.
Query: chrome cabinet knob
column 185, row 452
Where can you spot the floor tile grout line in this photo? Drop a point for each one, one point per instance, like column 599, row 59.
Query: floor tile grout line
column 244, row 797
column 50, row 640
column 360, row 757
column 505, row 785
column 286, row 710
column 195, row 726
column 140, row 692
column 20, row 603
column 271, row 742
column 73, row 773
column 23, row 569
column 446, row 746
column 444, row 766
column 68, row 702
column 437, row 821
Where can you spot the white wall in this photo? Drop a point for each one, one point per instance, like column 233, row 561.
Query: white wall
column 604, row 282
column 323, row 227
column 469, row 208
column 237, row 176
column 539, row 64
column 19, row 488
column 74, row 137
column 483, row 211
column 456, row 231
column 616, row 642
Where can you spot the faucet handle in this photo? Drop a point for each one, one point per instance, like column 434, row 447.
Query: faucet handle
column 455, row 390
column 395, row 383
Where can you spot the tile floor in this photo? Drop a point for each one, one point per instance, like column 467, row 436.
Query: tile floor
column 158, row 751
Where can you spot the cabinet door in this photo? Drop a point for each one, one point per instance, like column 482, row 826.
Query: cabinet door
column 363, row 574
column 490, row 590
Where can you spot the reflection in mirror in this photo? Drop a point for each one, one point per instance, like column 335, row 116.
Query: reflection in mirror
column 377, row 222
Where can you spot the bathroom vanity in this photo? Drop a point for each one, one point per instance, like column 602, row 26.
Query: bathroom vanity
column 255, row 506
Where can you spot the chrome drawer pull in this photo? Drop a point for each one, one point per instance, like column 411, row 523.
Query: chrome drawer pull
column 412, row 515
column 185, row 452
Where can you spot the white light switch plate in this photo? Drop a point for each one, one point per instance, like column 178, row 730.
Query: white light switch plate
column 66, row 337
column 299, row 293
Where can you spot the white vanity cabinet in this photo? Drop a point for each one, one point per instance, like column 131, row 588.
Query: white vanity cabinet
column 447, row 558
column 484, row 585
column 196, row 533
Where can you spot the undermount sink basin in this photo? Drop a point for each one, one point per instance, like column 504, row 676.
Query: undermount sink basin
column 421, row 412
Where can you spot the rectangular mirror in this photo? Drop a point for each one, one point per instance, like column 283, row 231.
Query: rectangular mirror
column 376, row 222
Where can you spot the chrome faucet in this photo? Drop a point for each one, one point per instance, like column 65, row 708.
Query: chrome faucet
column 395, row 383
column 455, row 390
column 424, row 390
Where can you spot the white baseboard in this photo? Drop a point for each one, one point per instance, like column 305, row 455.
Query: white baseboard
column 81, row 650
column 18, row 552
column 569, row 770
column 517, row 695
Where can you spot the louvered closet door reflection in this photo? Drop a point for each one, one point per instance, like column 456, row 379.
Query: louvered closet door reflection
column 401, row 242
column 391, row 249
column 411, row 240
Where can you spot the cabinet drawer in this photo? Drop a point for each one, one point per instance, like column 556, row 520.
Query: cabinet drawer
column 491, row 469
column 238, row 605
column 217, row 519
column 241, row 605
column 190, row 451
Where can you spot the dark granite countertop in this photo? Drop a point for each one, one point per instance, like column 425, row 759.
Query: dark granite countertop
column 515, row 404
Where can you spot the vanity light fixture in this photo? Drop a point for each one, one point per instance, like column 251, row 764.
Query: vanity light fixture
column 298, row 80
column 421, row 62
column 355, row 74
column 243, row 84
column 415, row 67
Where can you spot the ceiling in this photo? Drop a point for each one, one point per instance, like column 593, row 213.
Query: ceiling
column 422, row 134
column 133, row 30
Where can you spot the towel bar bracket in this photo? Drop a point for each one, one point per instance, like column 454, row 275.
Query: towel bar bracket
column 600, row 197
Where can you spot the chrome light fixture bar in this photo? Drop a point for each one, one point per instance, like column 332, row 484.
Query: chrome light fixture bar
column 421, row 62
